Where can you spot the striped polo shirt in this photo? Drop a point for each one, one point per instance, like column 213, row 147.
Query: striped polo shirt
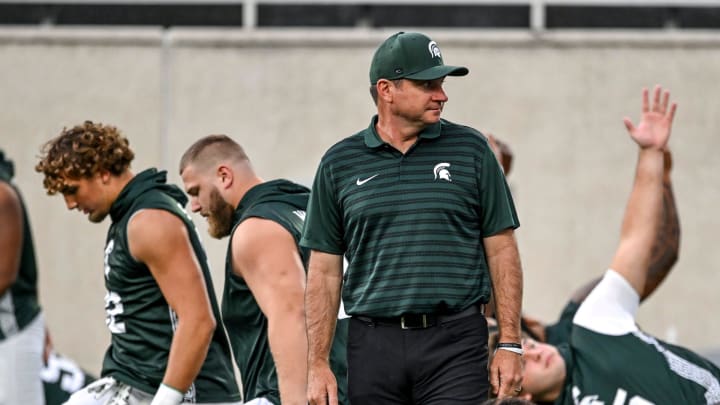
column 410, row 225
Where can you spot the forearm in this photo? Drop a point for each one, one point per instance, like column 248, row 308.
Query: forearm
column 322, row 302
column 640, row 223
column 287, row 336
column 507, row 280
column 666, row 247
column 188, row 351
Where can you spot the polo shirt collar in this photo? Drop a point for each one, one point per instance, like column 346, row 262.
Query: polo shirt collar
column 373, row 140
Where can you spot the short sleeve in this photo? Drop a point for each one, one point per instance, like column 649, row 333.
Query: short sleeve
column 497, row 209
column 323, row 228
column 610, row 308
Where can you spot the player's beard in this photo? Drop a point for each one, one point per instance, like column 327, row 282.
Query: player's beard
column 220, row 216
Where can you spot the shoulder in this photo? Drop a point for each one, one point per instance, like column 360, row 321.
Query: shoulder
column 463, row 131
column 254, row 236
column 464, row 136
column 610, row 308
column 9, row 198
column 147, row 217
column 255, row 231
column 344, row 148
column 151, row 223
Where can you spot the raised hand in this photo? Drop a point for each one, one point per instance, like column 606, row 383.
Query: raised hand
column 653, row 130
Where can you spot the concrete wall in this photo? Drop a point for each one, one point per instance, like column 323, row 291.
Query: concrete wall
column 286, row 96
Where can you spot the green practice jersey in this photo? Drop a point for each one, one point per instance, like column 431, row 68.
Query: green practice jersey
column 140, row 319
column 610, row 361
column 283, row 202
column 559, row 332
column 19, row 304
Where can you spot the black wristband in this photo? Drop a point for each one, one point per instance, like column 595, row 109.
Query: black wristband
column 511, row 347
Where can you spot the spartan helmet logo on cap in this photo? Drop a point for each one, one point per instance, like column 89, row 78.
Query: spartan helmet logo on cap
column 441, row 172
column 434, row 49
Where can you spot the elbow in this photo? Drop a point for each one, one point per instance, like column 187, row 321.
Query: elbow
column 210, row 323
column 203, row 326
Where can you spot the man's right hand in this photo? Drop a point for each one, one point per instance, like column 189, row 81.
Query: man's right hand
column 322, row 385
column 653, row 130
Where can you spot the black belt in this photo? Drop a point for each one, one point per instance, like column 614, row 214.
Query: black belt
column 422, row 321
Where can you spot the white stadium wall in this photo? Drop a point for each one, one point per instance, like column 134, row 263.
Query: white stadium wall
column 557, row 98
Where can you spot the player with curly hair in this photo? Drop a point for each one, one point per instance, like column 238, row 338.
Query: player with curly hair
column 160, row 304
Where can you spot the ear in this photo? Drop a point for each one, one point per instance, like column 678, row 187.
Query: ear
column 226, row 176
column 385, row 89
column 105, row 176
column 526, row 396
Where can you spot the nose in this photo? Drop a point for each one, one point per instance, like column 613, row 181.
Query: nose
column 194, row 205
column 439, row 95
column 70, row 202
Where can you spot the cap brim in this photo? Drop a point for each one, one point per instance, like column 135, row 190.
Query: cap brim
column 437, row 72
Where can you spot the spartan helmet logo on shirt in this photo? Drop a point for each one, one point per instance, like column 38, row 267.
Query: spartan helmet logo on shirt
column 441, row 172
column 434, row 50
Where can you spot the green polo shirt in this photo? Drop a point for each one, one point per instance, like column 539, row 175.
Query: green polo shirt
column 410, row 225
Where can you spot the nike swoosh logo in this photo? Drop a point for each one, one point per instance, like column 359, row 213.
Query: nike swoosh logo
column 361, row 182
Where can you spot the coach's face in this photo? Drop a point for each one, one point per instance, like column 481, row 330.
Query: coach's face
column 419, row 101
column 205, row 199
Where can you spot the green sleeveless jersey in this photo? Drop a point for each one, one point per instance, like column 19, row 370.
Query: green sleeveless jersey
column 410, row 225
column 283, row 202
column 138, row 316
column 19, row 304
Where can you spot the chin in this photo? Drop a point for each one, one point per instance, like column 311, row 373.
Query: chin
column 96, row 218
column 218, row 231
column 433, row 117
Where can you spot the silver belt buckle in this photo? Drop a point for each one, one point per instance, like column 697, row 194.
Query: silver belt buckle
column 402, row 322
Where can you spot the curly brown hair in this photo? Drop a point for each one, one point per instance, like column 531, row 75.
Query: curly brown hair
column 81, row 152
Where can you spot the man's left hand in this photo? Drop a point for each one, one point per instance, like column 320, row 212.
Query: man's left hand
column 506, row 374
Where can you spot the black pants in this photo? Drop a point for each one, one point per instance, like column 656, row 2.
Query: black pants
column 441, row 365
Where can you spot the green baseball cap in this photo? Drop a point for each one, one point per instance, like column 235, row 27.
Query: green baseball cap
column 410, row 55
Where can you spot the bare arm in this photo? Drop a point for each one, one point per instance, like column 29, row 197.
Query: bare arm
column 666, row 248
column 666, row 245
column 506, row 273
column 174, row 266
column 11, row 236
column 642, row 215
column 266, row 256
column 322, row 302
